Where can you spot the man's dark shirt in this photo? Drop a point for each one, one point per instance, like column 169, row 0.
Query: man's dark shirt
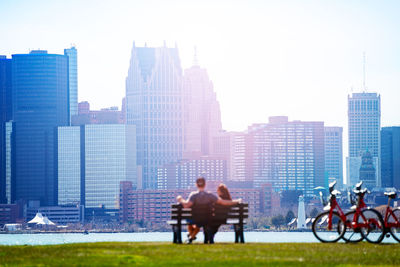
column 202, row 205
column 202, row 198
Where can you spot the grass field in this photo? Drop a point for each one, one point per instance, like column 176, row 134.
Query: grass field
column 165, row 254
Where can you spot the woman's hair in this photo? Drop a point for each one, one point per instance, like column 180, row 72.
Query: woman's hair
column 223, row 192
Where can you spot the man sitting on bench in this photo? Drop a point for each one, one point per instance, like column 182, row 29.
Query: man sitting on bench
column 201, row 203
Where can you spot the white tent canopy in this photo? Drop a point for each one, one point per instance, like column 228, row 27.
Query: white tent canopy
column 40, row 220
column 47, row 221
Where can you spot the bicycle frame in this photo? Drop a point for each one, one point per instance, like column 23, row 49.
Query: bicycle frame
column 389, row 211
column 359, row 208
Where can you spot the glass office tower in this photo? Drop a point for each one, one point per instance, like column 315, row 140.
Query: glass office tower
column 390, row 146
column 73, row 79
column 40, row 104
column 288, row 155
column 92, row 161
column 333, row 155
column 364, row 121
column 5, row 116
column 69, row 165
column 154, row 104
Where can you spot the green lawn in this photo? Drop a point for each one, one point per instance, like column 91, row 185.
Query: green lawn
column 165, row 254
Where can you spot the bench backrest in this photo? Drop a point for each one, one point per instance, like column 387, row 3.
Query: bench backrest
column 217, row 214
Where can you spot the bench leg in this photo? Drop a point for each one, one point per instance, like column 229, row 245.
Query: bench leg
column 241, row 235
column 206, row 236
column 235, row 227
column 175, row 236
column 179, row 233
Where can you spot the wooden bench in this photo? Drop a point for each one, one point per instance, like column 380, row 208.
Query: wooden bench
column 212, row 217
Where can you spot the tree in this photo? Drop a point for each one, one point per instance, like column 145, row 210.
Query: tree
column 289, row 216
column 313, row 213
column 278, row 220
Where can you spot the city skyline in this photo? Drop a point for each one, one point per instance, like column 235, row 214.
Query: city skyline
column 310, row 51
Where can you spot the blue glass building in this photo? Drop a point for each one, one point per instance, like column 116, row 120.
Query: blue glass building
column 390, row 156
column 73, row 79
column 92, row 161
column 154, row 104
column 5, row 116
column 40, row 94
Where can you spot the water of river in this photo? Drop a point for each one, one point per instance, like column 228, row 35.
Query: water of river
column 61, row 238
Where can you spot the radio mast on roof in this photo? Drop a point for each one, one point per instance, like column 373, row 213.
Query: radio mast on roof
column 364, row 88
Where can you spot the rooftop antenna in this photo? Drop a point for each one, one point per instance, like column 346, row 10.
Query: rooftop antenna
column 364, row 88
column 195, row 60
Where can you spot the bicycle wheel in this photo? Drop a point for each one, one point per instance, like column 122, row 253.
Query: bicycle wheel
column 323, row 232
column 352, row 235
column 395, row 230
column 373, row 229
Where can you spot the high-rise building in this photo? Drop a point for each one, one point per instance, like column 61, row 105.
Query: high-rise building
column 390, row 156
column 40, row 86
column 334, row 155
column 184, row 173
column 233, row 146
column 109, row 115
column 201, row 112
column 73, row 79
column 364, row 115
column 92, row 161
column 288, row 155
column 5, row 116
column 154, row 104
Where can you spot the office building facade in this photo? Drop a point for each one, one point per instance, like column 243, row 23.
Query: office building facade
column 154, row 104
column 390, row 156
column 92, row 161
column 111, row 115
column 364, row 122
column 333, row 155
column 155, row 205
column 72, row 54
column 234, row 147
column 184, row 173
column 288, row 155
column 202, row 116
column 5, row 116
column 40, row 97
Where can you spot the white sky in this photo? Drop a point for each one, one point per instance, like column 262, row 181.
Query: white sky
column 266, row 58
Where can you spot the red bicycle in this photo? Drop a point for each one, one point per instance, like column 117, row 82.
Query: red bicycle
column 392, row 218
column 331, row 225
column 362, row 222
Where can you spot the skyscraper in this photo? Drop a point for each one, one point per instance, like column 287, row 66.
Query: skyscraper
column 333, row 155
column 390, row 156
column 288, row 155
column 92, row 161
column 40, row 104
column 233, row 146
column 201, row 111
column 5, row 116
column 73, row 79
column 154, row 104
column 364, row 115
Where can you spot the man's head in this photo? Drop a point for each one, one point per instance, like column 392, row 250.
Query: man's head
column 201, row 182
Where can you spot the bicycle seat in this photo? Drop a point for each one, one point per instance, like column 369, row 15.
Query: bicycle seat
column 358, row 185
column 391, row 194
column 360, row 192
column 332, row 186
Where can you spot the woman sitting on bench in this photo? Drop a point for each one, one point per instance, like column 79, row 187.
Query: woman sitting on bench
column 197, row 201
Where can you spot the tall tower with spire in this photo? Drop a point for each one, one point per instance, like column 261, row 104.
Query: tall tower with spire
column 364, row 121
column 154, row 104
column 202, row 116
